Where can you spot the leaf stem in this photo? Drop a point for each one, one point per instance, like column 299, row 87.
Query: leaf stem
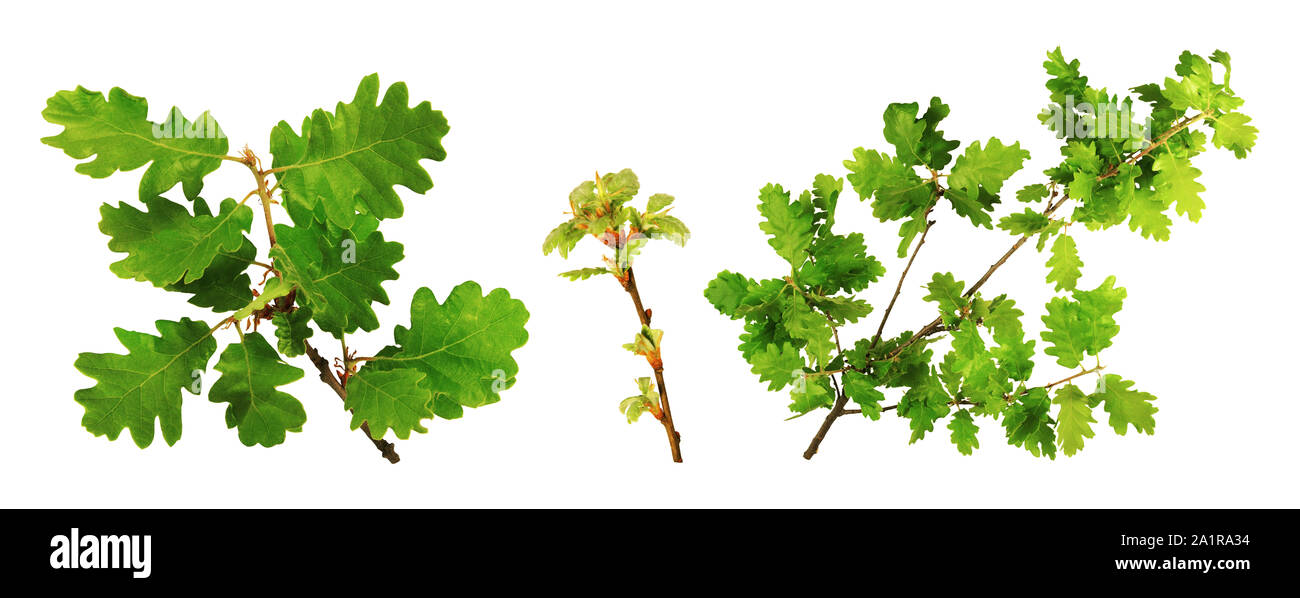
column 266, row 200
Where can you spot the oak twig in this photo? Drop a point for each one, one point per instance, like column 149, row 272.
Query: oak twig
column 385, row 448
column 674, row 438
column 841, row 399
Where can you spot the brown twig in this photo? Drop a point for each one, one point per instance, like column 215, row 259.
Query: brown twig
column 385, row 448
column 936, row 325
column 841, row 399
column 674, row 439
column 1161, row 140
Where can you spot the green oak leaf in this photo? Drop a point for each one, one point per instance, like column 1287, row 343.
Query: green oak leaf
column 923, row 404
column 963, row 430
column 895, row 189
column 635, row 406
column 462, row 345
column 975, row 204
column 1033, row 193
column 1065, row 263
column 862, row 389
column 727, row 292
column 118, row 133
column 584, row 273
column 663, row 226
column 841, row 310
column 338, row 272
column 251, row 371
column 904, row 130
column 646, row 342
column 1147, row 212
column 814, row 393
column 1084, row 325
column 349, row 161
column 292, row 329
column 1176, row 184
column 789, row 224
column 658, row 202
column 224, row 286
column 1013, row 354
column 1233, row 132
column 946, row 291
column 825, row 198
column 840, row 263
column 807, row 325
column 1066, row 79
column 988, row 167
column 1127, row 406
column 777, row 365
column 1029, row 423
column 564, row 238
column 1028, row 222
column 395, row 399
column 167, row 245
column 1073, row 419
column 135, row 389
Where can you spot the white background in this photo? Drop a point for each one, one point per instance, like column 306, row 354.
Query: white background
column 708, row 102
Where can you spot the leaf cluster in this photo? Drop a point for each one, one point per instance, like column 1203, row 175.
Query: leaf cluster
column 792, row 322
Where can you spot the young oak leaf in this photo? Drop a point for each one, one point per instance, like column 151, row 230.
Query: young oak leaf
column 135, row 389
column 727, row 292
column 918, row 140
column 338, row 272
column 1033, row 193
column 646, row 343
column 274, row 289
column 1084, row 325
column 1066, row 79
column 167, row 245
column 462, row 345
column 1065, row 263
column 393, row 399
column 1029, row 423
column 988, row 166
column 840, row 263
column 946, row 291
column 646, row 402
column 1073, row 420
column 904, row 130
column 789, row 224
column 963, row 430
column 807, row 325
column 1027, row 223
column 777, row 365
column 923, row 404
column 1127, row 406
column 1147, row 212
column 1176, row 184
column 1231, row 131
column 251, row 371
column 862, row 389
column 813, row 394
column 584, row 273
column 349, row 161
column 117, row 131
column 893, row 186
